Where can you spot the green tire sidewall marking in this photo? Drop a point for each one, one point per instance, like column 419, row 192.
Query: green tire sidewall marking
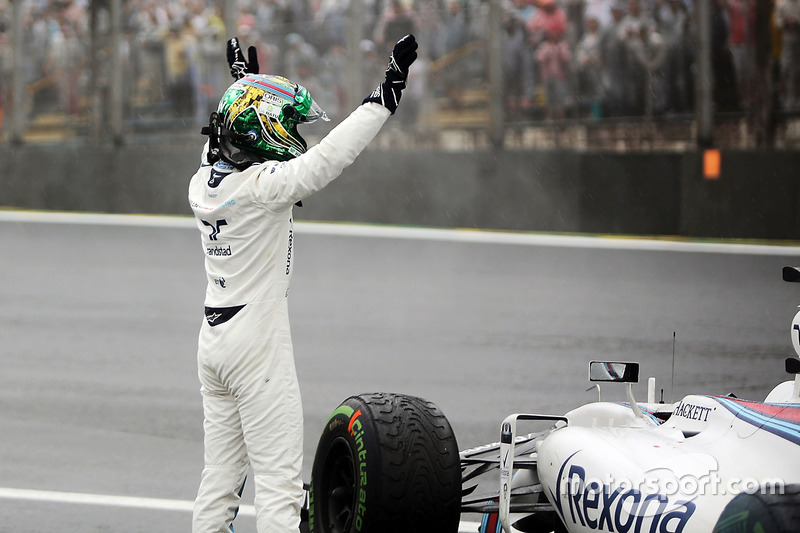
column 347, row 411
column 342, row 410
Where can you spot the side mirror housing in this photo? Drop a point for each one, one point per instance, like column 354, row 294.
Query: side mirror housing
column 615, row 372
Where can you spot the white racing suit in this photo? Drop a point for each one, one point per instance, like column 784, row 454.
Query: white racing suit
column 251, row 399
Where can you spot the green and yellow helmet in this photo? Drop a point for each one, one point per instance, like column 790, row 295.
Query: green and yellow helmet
column 257, row 119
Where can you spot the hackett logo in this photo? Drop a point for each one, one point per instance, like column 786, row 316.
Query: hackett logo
column 692, row 412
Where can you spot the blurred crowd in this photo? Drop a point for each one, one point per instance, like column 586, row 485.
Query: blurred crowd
column 579, row 58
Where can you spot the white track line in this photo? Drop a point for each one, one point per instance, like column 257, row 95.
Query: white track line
column 104, row 499
column 136, row 503
column 432, row 234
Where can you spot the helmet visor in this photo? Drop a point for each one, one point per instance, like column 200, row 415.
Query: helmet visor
column 309, row 110
column 315, row 113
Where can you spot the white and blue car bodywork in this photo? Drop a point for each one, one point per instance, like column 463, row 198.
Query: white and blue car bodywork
column 704, row 464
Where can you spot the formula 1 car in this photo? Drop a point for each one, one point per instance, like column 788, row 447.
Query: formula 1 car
column 389, row 463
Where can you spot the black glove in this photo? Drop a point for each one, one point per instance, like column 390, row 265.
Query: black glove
column 239, row 67
column 388, row 92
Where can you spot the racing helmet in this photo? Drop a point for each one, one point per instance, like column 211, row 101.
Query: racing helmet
column 257, row 118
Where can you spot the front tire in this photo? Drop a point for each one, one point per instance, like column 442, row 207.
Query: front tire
column 386, row 463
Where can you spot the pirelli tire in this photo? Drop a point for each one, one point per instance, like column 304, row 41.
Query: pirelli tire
column 770, row 509
column 386, row 463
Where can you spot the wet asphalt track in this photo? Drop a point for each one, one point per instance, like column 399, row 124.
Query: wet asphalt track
column 99, row 403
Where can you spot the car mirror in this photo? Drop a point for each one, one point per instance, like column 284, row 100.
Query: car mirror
column 614, row 372
column 791, row 274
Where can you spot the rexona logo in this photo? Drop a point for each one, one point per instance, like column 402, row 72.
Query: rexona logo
column 622, row 508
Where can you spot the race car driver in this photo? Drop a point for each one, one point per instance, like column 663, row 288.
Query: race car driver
column 255, row 167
